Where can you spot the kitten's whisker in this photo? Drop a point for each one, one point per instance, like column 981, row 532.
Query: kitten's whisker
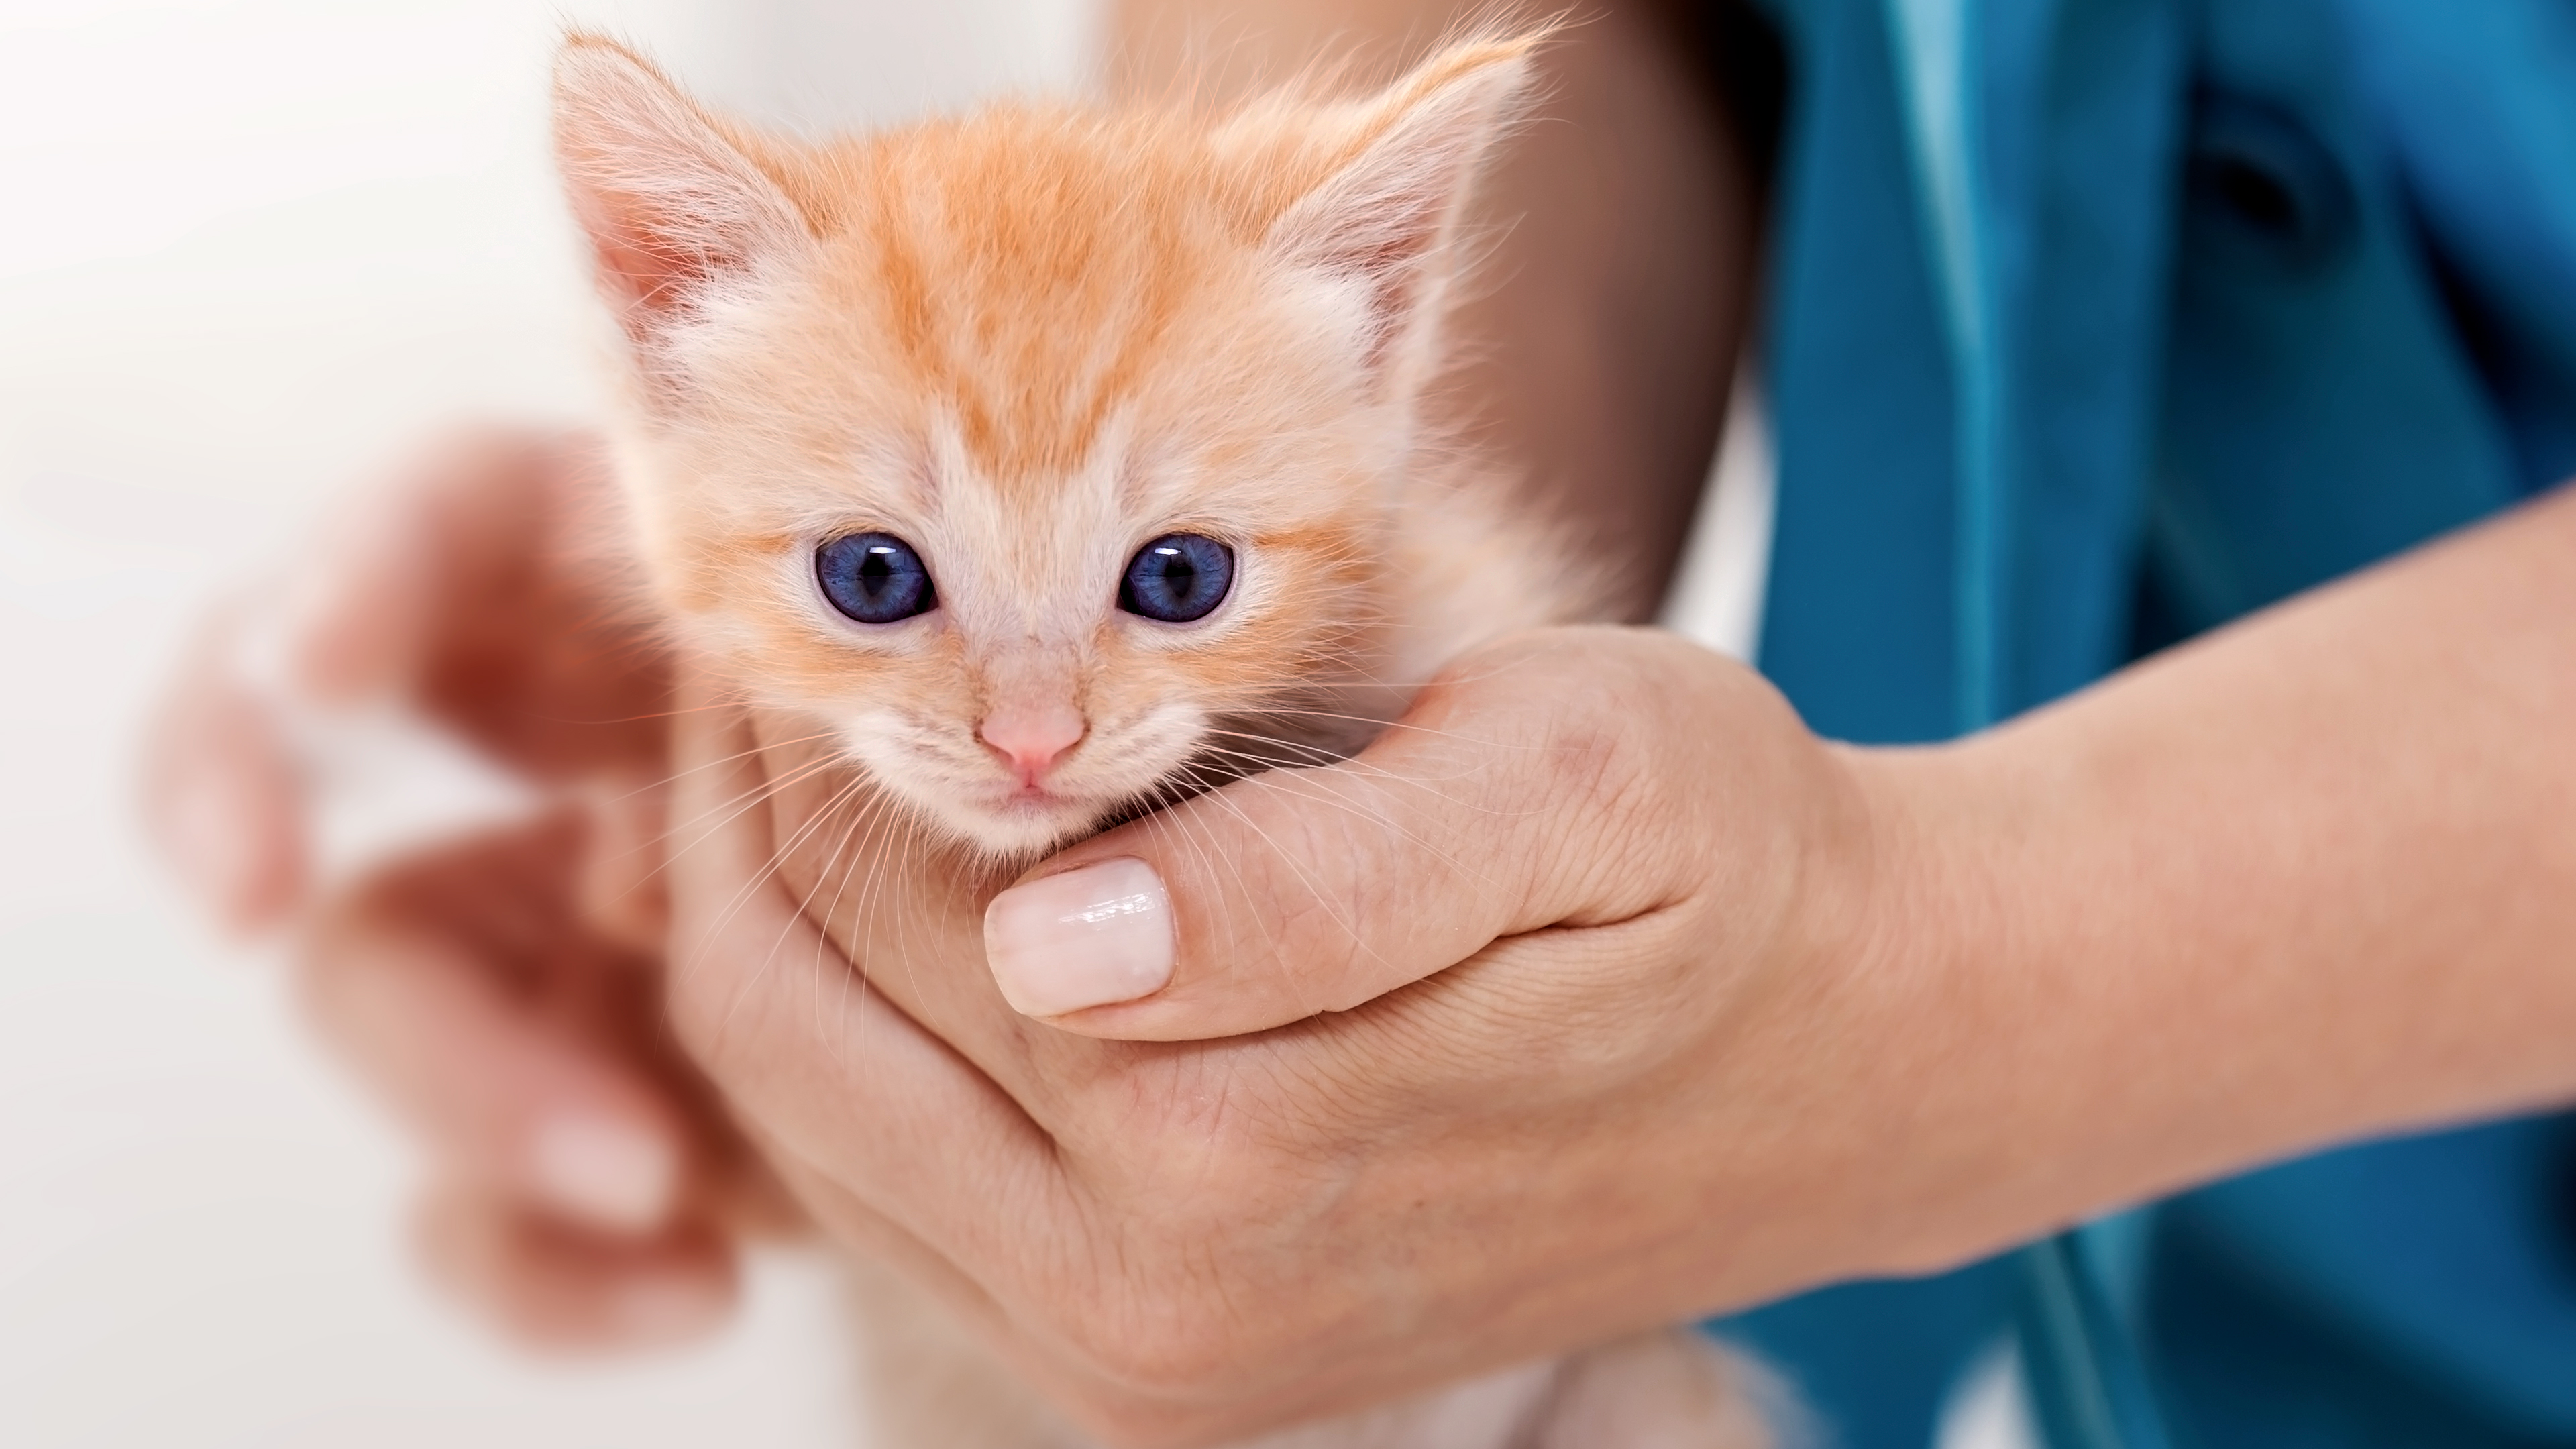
column 780, row 850
column 1280, row 781
column 677, row 776
column 669, row 831
column 746, row 800
column 762, row 795
column 1346, row 768
column 870, row 812
column 896, row 820
column 779, row 856
column 1196, row 840
column 750, row 800
column 1284, row 709
column 1322, row 754
column 651, row 715
column 1321, row 898
column 823, row 925
column 805, row 903
column 1367, row 770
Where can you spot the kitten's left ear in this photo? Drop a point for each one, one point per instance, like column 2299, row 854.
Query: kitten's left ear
column 1387, row 215
column 673, row 206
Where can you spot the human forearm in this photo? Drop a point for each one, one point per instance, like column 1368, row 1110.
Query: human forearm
column 1530, row 1027
column 2309, row 880
column 1599, row 332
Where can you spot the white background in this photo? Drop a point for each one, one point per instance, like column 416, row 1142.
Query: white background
column 250, row 249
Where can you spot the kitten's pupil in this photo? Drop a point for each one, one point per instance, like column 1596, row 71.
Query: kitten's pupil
column 875, row 578
column 1177, row 578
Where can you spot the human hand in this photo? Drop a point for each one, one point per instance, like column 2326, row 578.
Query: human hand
column 1558, row 982
column 501, row 992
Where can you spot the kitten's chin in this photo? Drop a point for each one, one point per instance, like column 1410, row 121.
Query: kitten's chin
column 1019, row 829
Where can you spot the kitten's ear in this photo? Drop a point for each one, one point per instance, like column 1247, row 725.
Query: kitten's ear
column 671, row 205
column 1386, row 215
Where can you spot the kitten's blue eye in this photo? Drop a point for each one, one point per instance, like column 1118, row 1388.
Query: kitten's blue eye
column 875, row 578
column 1177, row 578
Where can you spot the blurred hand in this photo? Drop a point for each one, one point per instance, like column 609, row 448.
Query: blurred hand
column 1537, row 991
column 501, row 992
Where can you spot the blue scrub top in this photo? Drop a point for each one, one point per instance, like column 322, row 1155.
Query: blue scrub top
column 2097, row 323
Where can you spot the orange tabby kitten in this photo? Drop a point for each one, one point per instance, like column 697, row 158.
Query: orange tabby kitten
column 1055, row 460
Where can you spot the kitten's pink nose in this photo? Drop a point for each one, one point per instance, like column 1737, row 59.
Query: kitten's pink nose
column 1033, row 739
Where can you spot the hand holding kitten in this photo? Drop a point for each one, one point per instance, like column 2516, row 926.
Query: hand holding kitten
column 1546, row 965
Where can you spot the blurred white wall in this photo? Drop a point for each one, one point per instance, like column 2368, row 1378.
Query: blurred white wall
column 249, row 249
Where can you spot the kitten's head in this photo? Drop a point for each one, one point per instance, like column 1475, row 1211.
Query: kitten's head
column 1027, row 450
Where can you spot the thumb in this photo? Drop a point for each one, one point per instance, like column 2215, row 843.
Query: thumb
column 1493, row 808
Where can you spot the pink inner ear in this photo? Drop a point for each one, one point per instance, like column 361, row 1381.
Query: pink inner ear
column 1386, row 217
column 671, row 203
column 652, row 272
column 1392, row 252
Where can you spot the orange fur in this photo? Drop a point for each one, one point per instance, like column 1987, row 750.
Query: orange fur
column 1028, row 341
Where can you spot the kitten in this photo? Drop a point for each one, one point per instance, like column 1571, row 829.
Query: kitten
column 1057, row 460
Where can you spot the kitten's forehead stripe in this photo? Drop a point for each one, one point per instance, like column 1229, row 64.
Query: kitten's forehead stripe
column 1031, row 266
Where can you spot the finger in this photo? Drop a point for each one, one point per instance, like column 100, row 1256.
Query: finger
column 892, row 1273
column 1509, row 799
column 555, row 1286
column 888, row 895
column 485, row 587
column 456, row 993
column 804, row 1049
column 533, row 1113
column 621, row 887
column 352, row 622
column 481, row 587
column 539, row 649
column 222, row 799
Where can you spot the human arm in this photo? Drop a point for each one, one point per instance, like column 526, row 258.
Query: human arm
column 2309, row 880
column 1648, row 1003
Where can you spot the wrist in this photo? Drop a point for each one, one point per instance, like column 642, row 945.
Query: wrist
column 1860, row 1081
column 1986, row 1063
column 2046, row 1040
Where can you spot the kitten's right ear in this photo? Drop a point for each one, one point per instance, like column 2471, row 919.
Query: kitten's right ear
column 1386, row 213
column 672, row 206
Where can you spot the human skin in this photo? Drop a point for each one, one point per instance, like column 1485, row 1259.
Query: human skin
column 1726, row 1010
column 497, row 992
column 470, row 590
column 1666, row 1006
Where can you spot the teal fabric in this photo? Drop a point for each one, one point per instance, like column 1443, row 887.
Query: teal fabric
column 2095, row 324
